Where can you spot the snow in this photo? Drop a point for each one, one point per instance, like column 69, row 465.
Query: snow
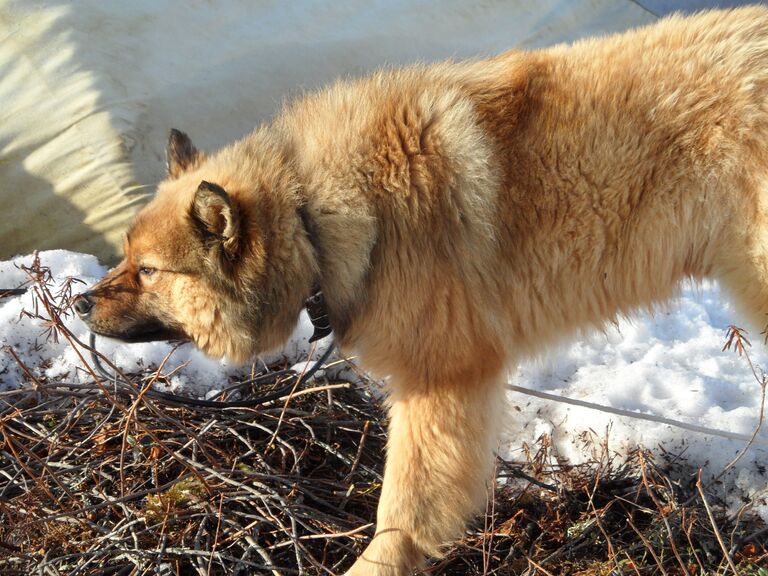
column 671, row 364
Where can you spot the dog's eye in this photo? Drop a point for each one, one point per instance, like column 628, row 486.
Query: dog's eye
column 146, row 271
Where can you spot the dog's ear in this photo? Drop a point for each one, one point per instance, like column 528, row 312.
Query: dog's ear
column 181, row 154
column 217, row 217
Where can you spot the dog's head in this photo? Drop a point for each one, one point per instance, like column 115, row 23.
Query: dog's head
column 220, row 256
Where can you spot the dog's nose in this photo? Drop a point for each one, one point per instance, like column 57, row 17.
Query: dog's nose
column 83, row 305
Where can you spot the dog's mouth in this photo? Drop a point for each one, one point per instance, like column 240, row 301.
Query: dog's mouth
column 146, row 333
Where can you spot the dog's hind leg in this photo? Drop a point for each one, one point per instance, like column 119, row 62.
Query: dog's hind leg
column 439, row 457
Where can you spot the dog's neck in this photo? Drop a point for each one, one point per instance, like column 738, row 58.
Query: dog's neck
column 342, row 239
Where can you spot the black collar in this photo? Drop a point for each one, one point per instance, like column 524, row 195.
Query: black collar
column 318, row 314
column 315, row 304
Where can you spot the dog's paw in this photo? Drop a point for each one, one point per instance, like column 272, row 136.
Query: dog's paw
column 391, row 552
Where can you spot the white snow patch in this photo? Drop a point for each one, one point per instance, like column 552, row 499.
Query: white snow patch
column 670, row 364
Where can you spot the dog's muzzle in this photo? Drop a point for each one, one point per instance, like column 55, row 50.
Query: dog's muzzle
column 122, row 328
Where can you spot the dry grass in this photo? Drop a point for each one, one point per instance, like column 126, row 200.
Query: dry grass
column 609, row 516
column 96, row 479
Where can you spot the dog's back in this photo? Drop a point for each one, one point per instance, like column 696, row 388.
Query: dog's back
column 631, row 163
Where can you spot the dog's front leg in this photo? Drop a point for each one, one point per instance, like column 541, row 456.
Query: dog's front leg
column 439, row 456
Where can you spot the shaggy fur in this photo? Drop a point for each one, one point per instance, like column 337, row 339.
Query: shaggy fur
column 458, row 216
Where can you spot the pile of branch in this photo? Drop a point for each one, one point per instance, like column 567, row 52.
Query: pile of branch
column 91, row 486
column 96, row 479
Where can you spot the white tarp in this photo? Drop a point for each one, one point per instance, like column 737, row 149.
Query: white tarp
column 90, row 88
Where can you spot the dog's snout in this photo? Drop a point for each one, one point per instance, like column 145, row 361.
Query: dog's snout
column 83, row 305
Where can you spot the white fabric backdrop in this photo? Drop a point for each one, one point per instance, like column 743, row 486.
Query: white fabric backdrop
column 90, row 88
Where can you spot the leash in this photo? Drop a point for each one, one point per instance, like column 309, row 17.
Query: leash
column 315, row 307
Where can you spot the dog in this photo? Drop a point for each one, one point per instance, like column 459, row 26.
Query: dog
column 457, row 217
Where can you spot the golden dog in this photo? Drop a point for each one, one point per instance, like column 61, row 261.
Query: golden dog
column 458, row 216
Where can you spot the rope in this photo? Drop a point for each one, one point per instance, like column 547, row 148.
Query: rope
column 638, row 415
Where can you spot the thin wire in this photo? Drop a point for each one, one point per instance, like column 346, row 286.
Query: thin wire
column 637, row 415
